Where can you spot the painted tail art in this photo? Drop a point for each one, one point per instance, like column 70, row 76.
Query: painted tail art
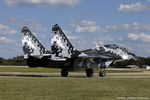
column 60, row 45
column 31, row 46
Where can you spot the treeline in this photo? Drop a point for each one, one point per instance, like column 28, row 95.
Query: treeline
column 18, row 60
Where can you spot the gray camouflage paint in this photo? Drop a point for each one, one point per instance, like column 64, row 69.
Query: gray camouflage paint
column 31, row 46
column 60, row 45
column 63, row 51
column 118, row 51
column 92, row 58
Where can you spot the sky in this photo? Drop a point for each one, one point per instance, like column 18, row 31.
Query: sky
column 85, row 22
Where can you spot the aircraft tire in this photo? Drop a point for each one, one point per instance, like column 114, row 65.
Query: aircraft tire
column 64, row 73
column 89, row 72
column 102, row 73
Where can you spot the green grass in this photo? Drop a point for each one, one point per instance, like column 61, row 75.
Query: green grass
column 27, row 69
column 72, row 88
column 56, row 70
column 28, row 87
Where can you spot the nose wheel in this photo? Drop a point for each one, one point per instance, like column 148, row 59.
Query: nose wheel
column 102, row 72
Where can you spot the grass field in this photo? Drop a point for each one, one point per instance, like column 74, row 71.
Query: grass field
column 54, row 70
column 58, row 88
column 55, row 87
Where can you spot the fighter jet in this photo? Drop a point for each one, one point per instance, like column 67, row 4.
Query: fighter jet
column 63, row 55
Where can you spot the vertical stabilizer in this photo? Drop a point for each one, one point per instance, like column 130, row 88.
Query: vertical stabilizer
column 31, row 46
column 60, row 45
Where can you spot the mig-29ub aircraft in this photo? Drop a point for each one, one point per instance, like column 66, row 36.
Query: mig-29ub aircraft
column 64, row 56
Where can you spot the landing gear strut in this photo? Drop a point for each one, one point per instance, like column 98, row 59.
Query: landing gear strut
column 89, row 72
column 64, row 72
column 102, row 73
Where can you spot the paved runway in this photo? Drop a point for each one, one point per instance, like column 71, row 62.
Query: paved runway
column 145, row 74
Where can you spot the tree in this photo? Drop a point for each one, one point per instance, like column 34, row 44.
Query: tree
column 18, row 60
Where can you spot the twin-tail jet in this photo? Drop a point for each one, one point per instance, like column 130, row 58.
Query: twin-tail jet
column 63, row 55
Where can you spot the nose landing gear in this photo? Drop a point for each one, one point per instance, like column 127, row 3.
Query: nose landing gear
column 102, row 72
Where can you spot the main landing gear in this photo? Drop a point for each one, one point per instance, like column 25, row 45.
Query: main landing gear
column 89, row 72
column 64, row 72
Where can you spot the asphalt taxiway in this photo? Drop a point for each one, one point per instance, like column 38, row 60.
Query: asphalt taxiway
column 145, row 74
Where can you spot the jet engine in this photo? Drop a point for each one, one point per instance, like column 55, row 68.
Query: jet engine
column 33, row 62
